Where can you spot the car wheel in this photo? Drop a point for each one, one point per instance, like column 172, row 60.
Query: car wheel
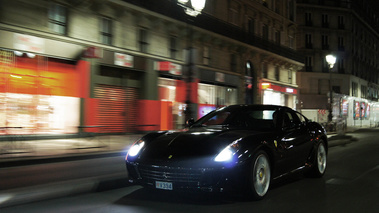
column 260, row 175
column 319, row 162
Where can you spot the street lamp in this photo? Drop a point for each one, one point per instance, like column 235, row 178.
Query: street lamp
column 331, row 60
column 197, row 6
column 192, row 8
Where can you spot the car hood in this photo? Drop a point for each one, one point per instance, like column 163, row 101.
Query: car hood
column 191, row 143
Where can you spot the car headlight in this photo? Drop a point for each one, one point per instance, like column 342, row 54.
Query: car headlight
column 135, row 149
column 227, row 154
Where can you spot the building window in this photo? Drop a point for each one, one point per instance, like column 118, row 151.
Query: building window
column 173, row 47
column 58, row 18
column 341, row 45
column 251, row 26
column 308, row 64
column 233, row 62
column 325, row 42
column 341, row 66
column 233, row 16
column 264, row 70
column 325, row 21
column 206, row 55
column 363, row 91
column 277, row 73
column 291, row 42
column 341, row 23
column 308, row 41
column 291, row 6
column 265, row 32
column 143, row 40
column 277, row 37
column 290, row 76
column 106, row 31
column 308, row 19
column 354, row 89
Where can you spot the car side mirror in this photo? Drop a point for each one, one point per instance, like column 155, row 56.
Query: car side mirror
column 190, row 122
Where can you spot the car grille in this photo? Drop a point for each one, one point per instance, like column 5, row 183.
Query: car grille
column 186, row 176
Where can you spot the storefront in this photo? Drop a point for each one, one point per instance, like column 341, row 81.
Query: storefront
column 39, row 94
column 279, row 95
column 112, row 106
column 215, row 90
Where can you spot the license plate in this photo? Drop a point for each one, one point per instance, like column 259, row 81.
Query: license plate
column 163, row 185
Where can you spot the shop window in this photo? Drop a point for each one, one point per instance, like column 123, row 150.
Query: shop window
column 173, row 47
column 143, row 45
column 58, row 18
column 106, row 31
column 217, row 95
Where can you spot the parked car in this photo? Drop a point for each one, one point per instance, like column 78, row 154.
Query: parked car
column 239, row 148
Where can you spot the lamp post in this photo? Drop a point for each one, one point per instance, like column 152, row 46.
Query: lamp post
column 192, row 8
column 331, row 60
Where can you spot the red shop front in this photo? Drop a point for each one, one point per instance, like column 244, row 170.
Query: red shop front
column 40, row 95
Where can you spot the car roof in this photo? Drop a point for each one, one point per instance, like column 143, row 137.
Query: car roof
column 257, row 107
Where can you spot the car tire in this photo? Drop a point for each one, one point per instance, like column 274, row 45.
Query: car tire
column 318, row 167
column 259, row 175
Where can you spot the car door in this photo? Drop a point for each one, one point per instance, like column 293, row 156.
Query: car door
column 294, row 141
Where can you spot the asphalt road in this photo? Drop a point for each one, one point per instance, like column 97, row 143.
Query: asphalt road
column 349, row 185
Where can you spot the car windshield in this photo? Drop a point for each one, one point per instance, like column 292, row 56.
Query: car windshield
column 256, row 119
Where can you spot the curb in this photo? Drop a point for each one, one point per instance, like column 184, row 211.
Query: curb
column 60, row 189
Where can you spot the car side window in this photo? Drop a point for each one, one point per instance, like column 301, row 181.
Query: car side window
column 291, row 119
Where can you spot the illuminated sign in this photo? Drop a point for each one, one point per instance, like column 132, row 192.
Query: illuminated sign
column 123, row 60
column 266, row 85
column 29, row 43
column 93, row 52
column 269, row 86
column 172, row 68
column 289, row 90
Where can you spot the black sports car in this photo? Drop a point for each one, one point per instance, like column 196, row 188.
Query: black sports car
column 239, row 147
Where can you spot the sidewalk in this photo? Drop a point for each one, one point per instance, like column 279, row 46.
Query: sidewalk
column 11, row 151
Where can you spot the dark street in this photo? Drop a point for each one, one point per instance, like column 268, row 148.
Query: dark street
column 349, row 185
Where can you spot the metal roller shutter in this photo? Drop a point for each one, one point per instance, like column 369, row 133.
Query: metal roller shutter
column 117, row 109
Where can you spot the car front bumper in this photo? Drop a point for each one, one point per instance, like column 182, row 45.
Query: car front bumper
column 210, row 179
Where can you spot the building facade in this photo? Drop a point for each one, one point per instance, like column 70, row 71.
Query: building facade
column 348, row 30
column 124, row 66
